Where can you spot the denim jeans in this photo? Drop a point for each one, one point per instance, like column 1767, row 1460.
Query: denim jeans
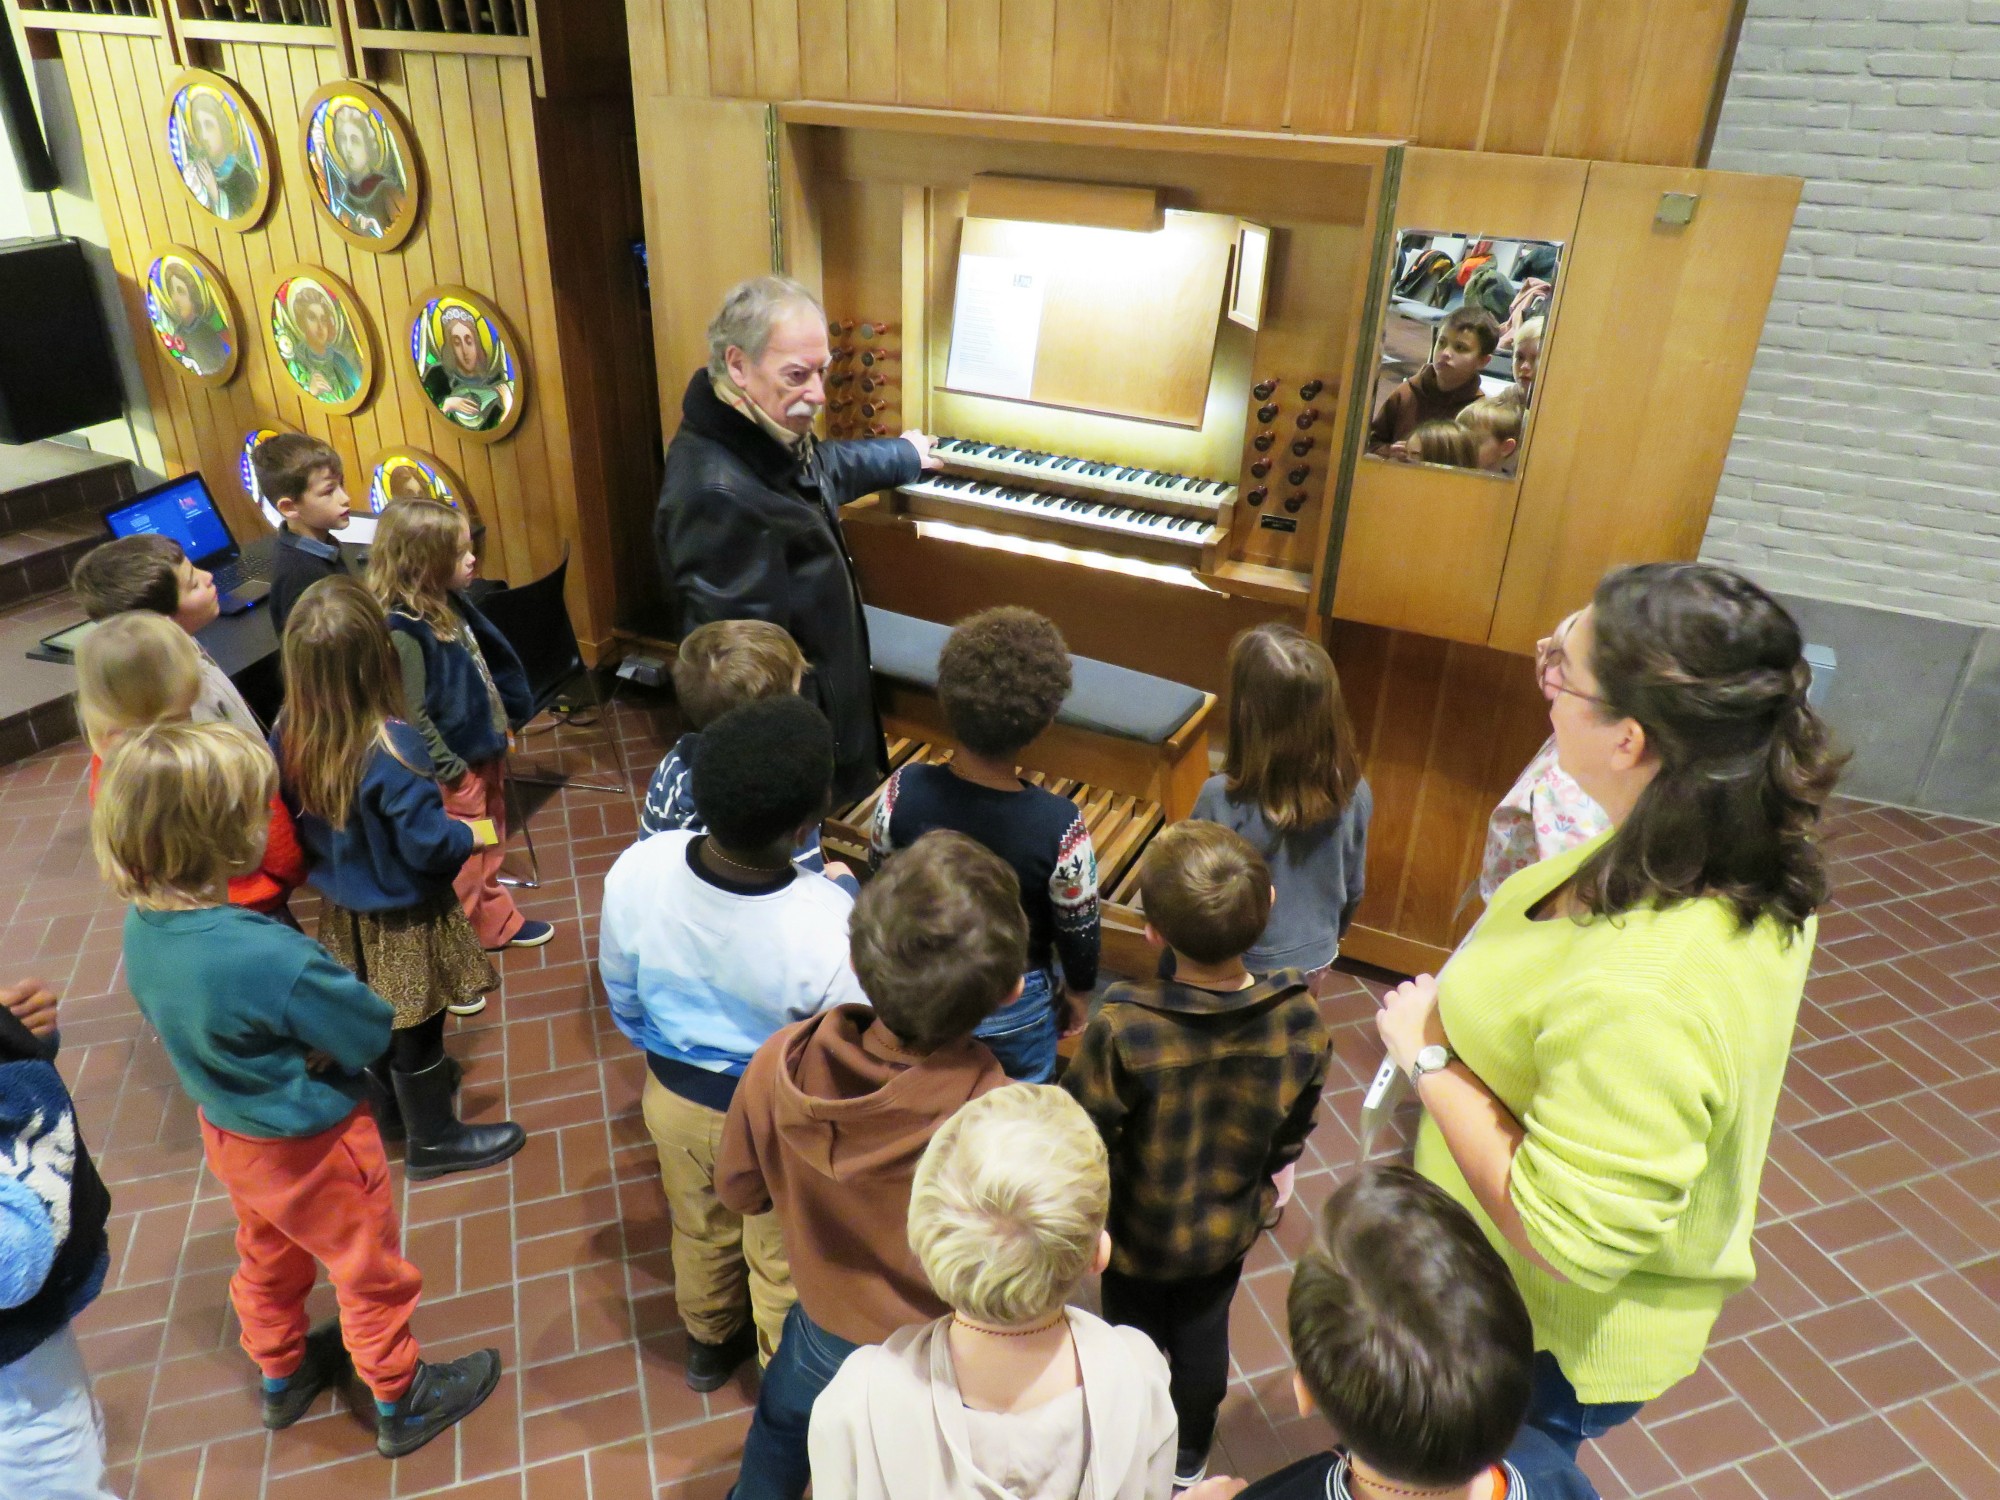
column 1022, row 1036
column 50, row 1430
column 1570, row 1423
column 776, row 1464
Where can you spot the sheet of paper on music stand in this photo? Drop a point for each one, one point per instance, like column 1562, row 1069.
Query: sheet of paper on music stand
column 996, row 326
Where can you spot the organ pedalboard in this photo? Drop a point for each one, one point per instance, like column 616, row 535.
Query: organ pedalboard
column 1282, row 456
column 1077, row 501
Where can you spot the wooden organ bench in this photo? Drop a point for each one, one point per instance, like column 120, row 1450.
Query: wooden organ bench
column 1128, row 748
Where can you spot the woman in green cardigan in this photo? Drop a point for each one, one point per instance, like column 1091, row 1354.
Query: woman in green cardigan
column 1600, row 1061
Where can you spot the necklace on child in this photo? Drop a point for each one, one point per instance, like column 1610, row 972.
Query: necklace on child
column 1010, row 1333
column 1375, row 1485
column 709, row 848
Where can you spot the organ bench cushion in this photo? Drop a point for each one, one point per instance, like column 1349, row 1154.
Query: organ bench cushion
column 1110, row 700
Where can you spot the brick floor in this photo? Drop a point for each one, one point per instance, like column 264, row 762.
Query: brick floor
column 1865, row 1361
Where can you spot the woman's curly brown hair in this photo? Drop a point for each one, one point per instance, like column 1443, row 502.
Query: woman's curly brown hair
column 1713, row 668
column 1002, row 677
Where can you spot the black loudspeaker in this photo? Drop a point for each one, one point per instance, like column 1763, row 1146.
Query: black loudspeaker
column 56, row 369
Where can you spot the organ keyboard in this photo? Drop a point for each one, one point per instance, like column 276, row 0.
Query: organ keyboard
column 1115, row 507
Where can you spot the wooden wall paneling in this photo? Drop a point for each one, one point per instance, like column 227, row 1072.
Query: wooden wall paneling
column 972, row 50
column 1320, row 91
column 1389, row 67
column 1688, row 51
column 646, row 27
column 1140, row 35
column 1534, row 40
column 503, row 282
column 1447, row 585
column 271, row 397
column 774, row 29
column 1458, row 72
column 1595, row 95
column 1636, row 415
column 1198, row 60
column 823, row 48
column 915, row 265
column 1259, row 64
column 923, row 52
column 702, row 167
column 686, row 40
column 1081, row 68
column 1027, row 56
column 732, row 49
column 872, row 51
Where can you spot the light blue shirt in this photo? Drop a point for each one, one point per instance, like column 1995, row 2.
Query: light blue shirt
column 705, row 976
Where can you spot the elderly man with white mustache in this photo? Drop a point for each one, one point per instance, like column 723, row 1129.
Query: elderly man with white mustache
column 748, row 522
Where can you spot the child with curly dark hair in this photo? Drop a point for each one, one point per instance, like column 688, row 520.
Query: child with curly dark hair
column 1002, row 677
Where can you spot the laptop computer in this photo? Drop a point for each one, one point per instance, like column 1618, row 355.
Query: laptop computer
column 184, row 510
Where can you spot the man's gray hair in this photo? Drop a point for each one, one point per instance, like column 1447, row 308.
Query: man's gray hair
column 749, row 313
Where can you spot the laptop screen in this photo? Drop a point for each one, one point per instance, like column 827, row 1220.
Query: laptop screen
column 182, row 509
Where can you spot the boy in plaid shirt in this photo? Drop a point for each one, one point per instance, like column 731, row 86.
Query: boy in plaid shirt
column 1203, row 1086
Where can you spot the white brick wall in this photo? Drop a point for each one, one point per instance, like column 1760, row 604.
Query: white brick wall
column 1866, row 463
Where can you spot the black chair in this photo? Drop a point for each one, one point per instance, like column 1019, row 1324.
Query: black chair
column 535, row 620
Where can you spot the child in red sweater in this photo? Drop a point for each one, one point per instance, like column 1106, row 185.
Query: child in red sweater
column 140, row 669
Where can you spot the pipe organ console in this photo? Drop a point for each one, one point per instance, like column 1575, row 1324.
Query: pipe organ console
column 1151, row 354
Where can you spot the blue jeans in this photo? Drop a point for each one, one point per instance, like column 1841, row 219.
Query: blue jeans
column 776, row 1464
column 49, row 1425
column 1570, row 1423
column 1022, row 1036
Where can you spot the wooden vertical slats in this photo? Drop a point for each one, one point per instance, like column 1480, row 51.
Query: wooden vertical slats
column 1458, row 67
column 1080, row 69
column 1140, row 34
column 688, row 67
column 1197, row 61
column 1534, row 39
column 1596, row 92
column 732, row 50
column 1320, row 94
column 923, row 52
column 774, row 26
column 1259, row 53
column 1668, row 106
column 1027, row 56
column 1389, row 65
column 823, row 48
column 872, row 56
column 972, row 38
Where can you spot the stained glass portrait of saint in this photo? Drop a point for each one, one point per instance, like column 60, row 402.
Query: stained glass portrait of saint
column 362, row 164
column 411, row 474
column 219, row 149
column 191, row 317
column 463, row 356
column 315, row 328
column 247, row 471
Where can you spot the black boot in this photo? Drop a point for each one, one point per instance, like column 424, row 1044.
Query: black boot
column 439, row 1395
column 382, row 1094
column 439, row 1141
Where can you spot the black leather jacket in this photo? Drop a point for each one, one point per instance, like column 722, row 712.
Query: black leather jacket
column 745, row 533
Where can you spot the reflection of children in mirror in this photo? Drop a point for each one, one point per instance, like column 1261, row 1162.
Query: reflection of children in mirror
column 1443, row 442
column 1527, row 358
column 468, row 383
column 1495, row 425
column 1443, row 387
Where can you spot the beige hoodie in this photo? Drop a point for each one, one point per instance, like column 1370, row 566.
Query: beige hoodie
column 891, row 1426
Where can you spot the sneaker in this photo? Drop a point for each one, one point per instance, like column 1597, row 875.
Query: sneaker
column 439, row 1395
column 711, row 1365
column 1190, row 1468
column 325, row 1365
column 468, row 1007
column 532, row 934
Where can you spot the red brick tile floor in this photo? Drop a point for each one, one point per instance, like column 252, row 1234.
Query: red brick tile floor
column 1865, row 1360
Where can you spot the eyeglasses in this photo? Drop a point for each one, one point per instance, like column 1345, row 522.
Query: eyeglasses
column 1549, row 670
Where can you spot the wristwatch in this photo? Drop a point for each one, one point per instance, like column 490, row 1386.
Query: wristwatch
column 1432, row 1059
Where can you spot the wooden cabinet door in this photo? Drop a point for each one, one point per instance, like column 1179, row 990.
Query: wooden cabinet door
column 1641, row 383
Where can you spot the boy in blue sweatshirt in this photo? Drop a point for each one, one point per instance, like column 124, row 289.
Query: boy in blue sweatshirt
column 53, row 1256
column 711, row 943
column 270, row 1036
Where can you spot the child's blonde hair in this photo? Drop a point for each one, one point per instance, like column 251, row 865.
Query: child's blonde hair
column 181, row 808
column 728, row 663
column 1291, row 745
column 342, row 687
column 1530, row 333
column 413, row 559
column 1008, row 1204
column 1493, row 417
column 133, row 670
column 1443, row 442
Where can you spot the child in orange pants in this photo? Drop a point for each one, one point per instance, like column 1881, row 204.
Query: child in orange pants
column 270, row 1036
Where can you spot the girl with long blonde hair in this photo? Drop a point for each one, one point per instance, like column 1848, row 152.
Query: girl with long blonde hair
column 465, row 689
column 382, row 853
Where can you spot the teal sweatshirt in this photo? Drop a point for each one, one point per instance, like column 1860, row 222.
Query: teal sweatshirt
column 238, row 1001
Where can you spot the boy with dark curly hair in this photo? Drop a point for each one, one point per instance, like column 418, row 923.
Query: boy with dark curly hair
column 1002, row 677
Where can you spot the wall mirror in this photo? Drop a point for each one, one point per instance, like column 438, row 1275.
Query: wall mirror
column 1463, row 336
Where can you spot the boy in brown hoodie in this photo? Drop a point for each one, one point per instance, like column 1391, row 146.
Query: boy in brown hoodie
column 833, row 1114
